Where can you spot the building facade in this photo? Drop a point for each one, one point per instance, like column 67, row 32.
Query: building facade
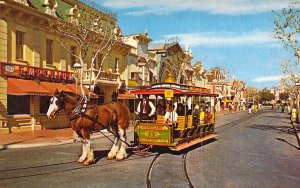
column 141, row 67
column 34, row 64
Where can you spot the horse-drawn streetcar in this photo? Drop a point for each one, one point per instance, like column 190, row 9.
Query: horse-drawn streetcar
column 184, row 116
column 181, row 117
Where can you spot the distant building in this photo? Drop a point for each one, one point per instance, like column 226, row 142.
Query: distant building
column 173, row 61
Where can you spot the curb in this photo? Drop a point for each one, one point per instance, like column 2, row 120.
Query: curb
column 55, row 143
column 50, row 143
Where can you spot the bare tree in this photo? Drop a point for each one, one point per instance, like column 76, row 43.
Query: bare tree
column 252, row 93
column 90, row 30
column 178, row 65
column 287, row 30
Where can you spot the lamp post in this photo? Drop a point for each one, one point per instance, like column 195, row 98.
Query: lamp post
column 297, row 116
column 77, row 66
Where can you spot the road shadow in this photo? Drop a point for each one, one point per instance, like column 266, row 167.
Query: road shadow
column 277, row 117
column 6, row 146
column 283, row 140
column 274, row 128
column 100, row 154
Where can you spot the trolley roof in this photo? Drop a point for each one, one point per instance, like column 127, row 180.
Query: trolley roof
column 178, row 89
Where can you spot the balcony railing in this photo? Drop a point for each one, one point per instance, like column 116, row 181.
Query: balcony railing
column 31, row 72
column 105, row 76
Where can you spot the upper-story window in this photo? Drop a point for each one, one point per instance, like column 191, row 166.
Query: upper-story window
column 50, row 6
column 132, row 75
column 49, row 51
column 20, row 45
column 23, row 2
column 72, row 57
column 117, row 65
column 150, row 76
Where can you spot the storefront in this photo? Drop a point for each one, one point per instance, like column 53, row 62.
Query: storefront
column 25, row 99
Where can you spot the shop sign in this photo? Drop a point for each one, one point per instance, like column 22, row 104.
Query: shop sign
column 31, row 72
column 9, row 68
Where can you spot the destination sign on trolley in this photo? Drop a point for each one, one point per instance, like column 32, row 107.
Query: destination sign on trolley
column 168, row 93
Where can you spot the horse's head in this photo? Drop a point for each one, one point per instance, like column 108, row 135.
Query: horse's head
column 57, row 104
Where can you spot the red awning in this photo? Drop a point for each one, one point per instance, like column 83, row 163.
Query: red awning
column 126, row 95
column 51, row 86
column 25, row 87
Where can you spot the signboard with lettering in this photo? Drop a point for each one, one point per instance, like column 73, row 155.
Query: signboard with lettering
column 31, row 72
column 168, row 93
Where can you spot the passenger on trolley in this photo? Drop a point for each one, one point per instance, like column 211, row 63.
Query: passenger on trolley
column 171, row 116
column 196, row 116
column 202, row 116
column 146, row 109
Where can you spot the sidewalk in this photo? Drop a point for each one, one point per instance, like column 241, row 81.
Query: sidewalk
column 40, row 138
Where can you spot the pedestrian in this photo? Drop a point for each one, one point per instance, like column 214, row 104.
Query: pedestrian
column 249, row 108
column 294, row 113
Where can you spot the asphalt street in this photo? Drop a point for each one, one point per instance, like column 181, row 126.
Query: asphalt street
column 256, row 150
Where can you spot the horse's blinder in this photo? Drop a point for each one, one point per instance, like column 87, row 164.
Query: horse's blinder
column 60, row 103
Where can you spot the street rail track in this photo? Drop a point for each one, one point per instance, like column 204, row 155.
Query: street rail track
column 40, row 170
column 148, row 180
column 221, row 128
column 184, row 169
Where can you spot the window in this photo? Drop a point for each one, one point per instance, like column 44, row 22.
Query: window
column 73, row 58
column 150, row 76
column 132, row 75
column 18, row 104
column 49, row 51
column 117, row 65
column 44, row 104
column 19, row 45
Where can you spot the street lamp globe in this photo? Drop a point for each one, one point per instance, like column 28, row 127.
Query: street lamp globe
column 77, row 65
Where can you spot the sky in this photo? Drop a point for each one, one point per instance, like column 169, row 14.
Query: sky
column 233, row 34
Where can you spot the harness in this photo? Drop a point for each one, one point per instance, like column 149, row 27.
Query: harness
column 80, row 111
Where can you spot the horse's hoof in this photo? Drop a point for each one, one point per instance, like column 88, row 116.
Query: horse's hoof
column 120, row 157
column 80, row 160
column 110, row 158
column 111, row 155
column 86, row 162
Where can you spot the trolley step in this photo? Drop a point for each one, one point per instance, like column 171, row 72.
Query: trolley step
column 185, row 145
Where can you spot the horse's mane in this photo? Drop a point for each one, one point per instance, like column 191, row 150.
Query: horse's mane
column 72, row 94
